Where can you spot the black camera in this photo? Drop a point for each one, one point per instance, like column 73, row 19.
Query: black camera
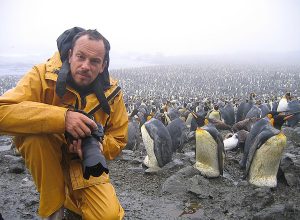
column 93, row 162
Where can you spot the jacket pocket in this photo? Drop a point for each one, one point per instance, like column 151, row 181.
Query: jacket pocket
column 77, row 180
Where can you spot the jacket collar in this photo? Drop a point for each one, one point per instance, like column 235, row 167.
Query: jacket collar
column 52, row 67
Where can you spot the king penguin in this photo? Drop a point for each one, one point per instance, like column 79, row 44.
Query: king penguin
column 283, row 103
column 209, row 149
column 244, row 108
column 158, row 143
column 263, row 150
column 178, row 132
column 294, row 111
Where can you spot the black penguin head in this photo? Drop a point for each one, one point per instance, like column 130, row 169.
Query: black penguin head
column 216, row 107
column 200, row 119
column 277, row 119
column 288, row 96
column 252, row 95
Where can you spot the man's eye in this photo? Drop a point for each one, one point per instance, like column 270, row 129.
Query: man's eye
column 79, row 56
column 95, row 61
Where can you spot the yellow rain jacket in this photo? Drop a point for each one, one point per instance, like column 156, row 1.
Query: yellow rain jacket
column 33, row 108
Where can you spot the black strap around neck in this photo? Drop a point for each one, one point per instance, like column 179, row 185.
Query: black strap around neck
column 110, row 97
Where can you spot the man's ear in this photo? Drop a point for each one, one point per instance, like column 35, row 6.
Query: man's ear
column 70, row 54
column 104, row 65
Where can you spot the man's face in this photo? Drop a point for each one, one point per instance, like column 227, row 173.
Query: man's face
column 86, row 60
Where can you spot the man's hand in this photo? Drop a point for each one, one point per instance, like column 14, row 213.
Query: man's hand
column 75, row 147
column 79, row 125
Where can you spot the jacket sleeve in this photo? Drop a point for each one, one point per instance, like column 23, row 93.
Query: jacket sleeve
column 116, row 133
column 22, row 110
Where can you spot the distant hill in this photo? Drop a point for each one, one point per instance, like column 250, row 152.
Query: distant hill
column 250, row 58
column 18, row 65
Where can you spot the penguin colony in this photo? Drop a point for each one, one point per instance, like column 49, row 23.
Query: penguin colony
column 223, row 101
column 172, row 105
column 257, row 133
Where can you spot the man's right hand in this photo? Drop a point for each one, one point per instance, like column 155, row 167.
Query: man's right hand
column 79, row 125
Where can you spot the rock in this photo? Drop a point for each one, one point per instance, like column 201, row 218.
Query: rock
column 69, row 215
column 292, row 135
column 26, row 182
column 127, row 152
column 153, row 170
column 259, row 199
column 137, row 169
column 200, row 180
column 31, row 202
column 291, row 156
column 5, row 140
column 291, row 168
column 192, row 210
column 16, row 168
column 190, row 157
column 180, row 182
column 117, row 183
column 173, row 164
column 190, row 154
column 126, row 155
column 27, row 215
column 262, row 192
column 136, row 161
column 5, row 147
column 227, row 176
column 192, row 160
column 14, row 159
column 243, row 183
column 291, row 179
column 126, row 158
column 200, row 187
column 278, row 211
column 200, row 193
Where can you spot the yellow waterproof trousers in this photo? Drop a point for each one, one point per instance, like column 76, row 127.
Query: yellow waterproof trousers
column 60, row 182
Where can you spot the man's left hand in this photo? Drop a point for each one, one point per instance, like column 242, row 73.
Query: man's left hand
column 75, row 147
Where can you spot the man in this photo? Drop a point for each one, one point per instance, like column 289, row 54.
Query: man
column 40, row 110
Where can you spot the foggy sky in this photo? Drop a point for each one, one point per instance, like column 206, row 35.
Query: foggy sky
column 157, row 27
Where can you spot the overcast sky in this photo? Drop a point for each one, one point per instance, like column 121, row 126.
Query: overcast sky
column 168, row 27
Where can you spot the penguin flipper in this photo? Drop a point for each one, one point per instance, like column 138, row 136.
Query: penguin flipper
column 211, row 129
column 221, row 151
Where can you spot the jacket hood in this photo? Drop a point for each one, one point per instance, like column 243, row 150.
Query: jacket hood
column 64, row 43
column 101, row 83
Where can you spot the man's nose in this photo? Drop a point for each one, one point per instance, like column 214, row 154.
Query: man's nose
column 86, row 65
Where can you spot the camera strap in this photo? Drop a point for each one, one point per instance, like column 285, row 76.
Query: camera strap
column 110, row 97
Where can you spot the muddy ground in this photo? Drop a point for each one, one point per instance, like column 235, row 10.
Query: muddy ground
column 177, row 191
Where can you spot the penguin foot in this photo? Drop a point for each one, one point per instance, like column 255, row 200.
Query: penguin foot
column 207, row 171
column 264, row 181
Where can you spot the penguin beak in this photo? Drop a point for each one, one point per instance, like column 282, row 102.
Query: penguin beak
column 206, row 122
column 195, row 116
